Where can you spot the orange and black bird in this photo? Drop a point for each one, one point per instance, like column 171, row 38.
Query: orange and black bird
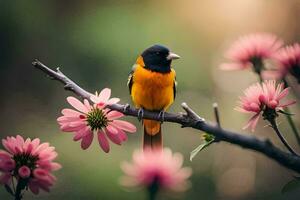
column 152, row 86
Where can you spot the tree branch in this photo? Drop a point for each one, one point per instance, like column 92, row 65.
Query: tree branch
column 188, row 119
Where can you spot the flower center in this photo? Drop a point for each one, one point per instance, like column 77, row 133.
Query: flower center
column 269, row 113
column 25, row 159
column 96, row 119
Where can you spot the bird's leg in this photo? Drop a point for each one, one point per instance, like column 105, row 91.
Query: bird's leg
column 126, row 106
column 161, row 116
column 140, row 114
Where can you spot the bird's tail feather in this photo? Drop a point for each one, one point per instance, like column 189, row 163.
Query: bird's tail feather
column 152, row 134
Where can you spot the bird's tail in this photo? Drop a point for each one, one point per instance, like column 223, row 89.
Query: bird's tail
column 152, row 134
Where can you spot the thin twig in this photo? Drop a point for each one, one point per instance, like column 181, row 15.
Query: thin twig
column 281, row 137
column 289, row 117
column 190, row 119
column 217, row 115
column 217, row 118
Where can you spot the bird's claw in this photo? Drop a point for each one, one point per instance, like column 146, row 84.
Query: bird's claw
column 140, row 114
column 126, row 107
column 161, row 116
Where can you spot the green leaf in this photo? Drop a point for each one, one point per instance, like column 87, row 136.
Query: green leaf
column 200, row 148
column 291, row 185
column 285, row 113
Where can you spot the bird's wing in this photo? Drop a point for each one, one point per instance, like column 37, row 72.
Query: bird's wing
column 130, row 78
column 174, row 87
column 174, row 84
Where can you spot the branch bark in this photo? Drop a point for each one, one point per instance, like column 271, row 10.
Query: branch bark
column 188, row 119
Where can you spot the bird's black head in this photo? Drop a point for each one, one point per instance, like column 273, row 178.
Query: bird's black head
column 158, row 58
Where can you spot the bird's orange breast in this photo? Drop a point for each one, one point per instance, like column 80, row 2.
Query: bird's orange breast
column 152, row 90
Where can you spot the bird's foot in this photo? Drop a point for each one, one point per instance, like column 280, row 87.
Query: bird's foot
column 126, row 106
column 161, row 116
column 140, row 114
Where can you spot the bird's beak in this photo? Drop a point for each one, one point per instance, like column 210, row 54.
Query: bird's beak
column 172, row 56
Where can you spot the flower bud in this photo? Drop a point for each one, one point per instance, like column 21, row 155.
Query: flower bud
column 24, row 171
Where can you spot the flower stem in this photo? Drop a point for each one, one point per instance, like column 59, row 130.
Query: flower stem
column 260, row 78
column 289, row 118
column 283, row 140
column 152, row 196
column 20, row 186
column 258, row 66
column 292, row 125
column 153, row 190
column 18, row 195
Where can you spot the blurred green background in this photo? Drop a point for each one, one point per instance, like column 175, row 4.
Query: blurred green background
column 96, row 43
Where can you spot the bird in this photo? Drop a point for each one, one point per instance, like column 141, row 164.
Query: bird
column 152, row 86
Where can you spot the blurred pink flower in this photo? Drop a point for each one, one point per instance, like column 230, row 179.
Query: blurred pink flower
column 288, row 60
column 263, row 98
column 250, row 51
column 89, row 119
column 24, row 158
column 156, row 168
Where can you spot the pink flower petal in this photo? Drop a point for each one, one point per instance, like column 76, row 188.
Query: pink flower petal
column 41, row 174
column 103, row 142
column 271, row 75
column 87, row 104
column 81, row 133
column 77, row 104
column 126, row 126
column 283, row 94
column 35, row 143
column 4, row 155
column 87, row 140
column 67, row 128
column 105, row 94
column 252, row 122
column 55, row 166
column 232, row 66
column 288, row 103
column 273, row 104
column 113, row 101
column 112, row 129
column 8, row 146
column 70, row 113
column 7, row 165
column 122, row 135
column 113, row 137
column 114, row 115
column 5, row 178
column 78, row 123
column 33, row 186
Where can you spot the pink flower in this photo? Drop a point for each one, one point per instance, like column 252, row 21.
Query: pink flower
column 88, row 120
column 265, row 98
column 23, row 158
column 250, row 51
column 156, row 168
column 288, row 59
